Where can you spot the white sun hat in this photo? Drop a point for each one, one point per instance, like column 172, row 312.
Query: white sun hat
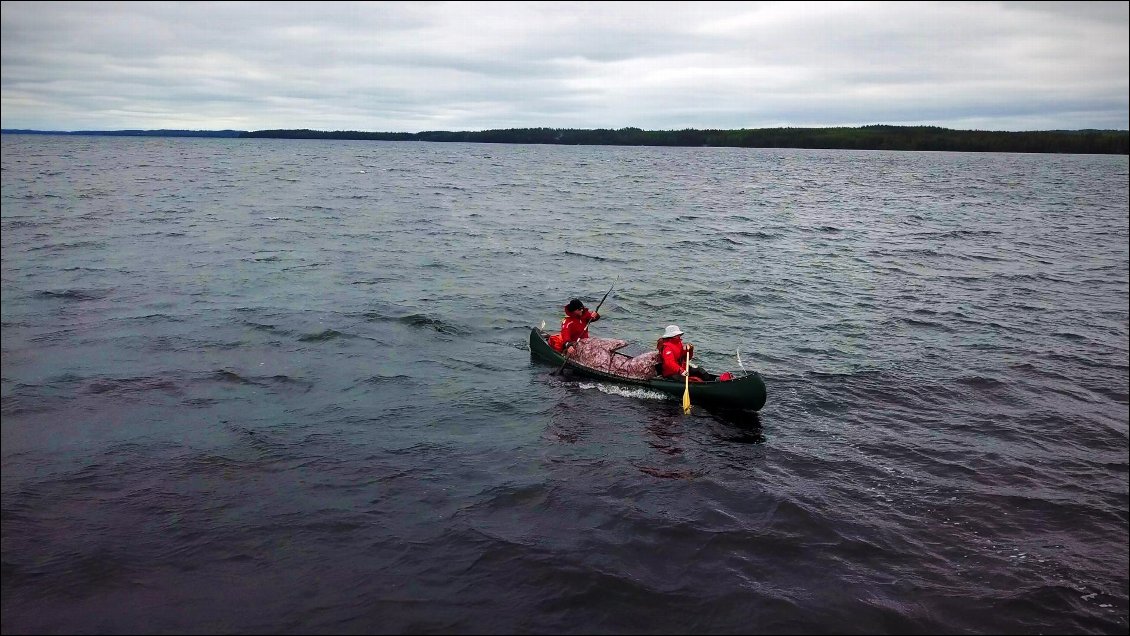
column 672, row 331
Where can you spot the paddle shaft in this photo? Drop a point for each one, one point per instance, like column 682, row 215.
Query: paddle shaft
column 687, row 386
column 597, row 310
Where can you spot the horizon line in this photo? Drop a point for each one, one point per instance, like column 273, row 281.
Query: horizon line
column 237, row 130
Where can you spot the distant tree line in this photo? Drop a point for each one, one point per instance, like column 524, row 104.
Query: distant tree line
column 131, row 133
column 876, row 137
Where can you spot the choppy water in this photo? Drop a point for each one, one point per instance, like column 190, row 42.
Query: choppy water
column 268, row 386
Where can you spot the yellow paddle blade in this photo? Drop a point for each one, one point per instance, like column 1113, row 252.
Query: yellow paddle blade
column 687, row 399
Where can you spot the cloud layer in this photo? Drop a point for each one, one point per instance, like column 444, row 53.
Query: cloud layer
column 415, row 66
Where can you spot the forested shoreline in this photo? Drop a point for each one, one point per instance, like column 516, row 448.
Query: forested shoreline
column 876, row 137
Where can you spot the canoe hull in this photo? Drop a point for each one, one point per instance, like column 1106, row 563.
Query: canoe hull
column 745, row 392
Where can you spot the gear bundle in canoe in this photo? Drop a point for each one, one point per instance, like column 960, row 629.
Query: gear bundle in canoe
column 745, row 391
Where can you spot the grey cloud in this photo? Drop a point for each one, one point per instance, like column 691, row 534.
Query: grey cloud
column 467, row 66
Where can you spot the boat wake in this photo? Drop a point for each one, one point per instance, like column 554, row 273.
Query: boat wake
column 638, row 393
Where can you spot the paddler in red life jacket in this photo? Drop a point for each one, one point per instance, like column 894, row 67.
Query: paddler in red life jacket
column 674, row 357
column 574, row 326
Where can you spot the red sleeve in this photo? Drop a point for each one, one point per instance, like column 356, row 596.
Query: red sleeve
column 671, row 363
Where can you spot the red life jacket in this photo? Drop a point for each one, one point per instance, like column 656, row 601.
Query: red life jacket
column 673, row 359
column 572, row 329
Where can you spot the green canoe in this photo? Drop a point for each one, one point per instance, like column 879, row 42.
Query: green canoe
column 745, row 392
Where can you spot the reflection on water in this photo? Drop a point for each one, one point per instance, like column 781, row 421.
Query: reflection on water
column 745, row 426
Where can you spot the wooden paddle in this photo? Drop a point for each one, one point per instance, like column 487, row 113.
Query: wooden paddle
column 687, row 387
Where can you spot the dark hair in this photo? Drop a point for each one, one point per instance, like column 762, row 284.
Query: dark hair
column 574, row 305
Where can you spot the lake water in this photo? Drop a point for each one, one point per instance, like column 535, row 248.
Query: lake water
column 277, row 386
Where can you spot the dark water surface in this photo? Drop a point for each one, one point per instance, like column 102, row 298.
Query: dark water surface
column 270, row 386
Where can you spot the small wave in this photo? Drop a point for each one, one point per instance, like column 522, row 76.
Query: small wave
column 280, row 378
column 200, row 402
column 961, row 278
column 603, row 259
column 323, row 336
column 26, row 399
column 669, row 474
column 981, row 382
column 76, row 294
column 928, row 324
column 386, row 379
column 741, row 299
column 154, row 318
column 121, row 386
column 1037, row 277
column 20, row 223
column 1038, row 371
column 983, row 257
column 955, row 234
column 267, row 328
column 420, row 320
column 1085, row 361
column 232, row 377
column 757, row 235
column 305, row 266
column 68, row 246
column 914, row 251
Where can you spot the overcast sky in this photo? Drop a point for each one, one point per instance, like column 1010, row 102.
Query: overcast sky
column 415, row 66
